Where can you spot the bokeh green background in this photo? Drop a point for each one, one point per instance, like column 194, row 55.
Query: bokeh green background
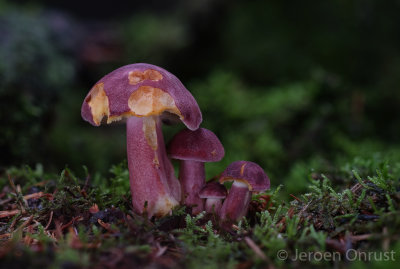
column 291, row 85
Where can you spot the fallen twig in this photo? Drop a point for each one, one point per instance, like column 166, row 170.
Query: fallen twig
column 255, row 248
column 50, row 219
column 5, row 214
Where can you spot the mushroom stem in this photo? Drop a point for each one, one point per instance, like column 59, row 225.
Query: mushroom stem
column 213, row 205
column 236, row 203
column 192, row 178
column 154, row 188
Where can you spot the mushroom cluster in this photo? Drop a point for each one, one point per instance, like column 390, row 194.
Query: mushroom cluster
column 194, row 148
column 145, row 96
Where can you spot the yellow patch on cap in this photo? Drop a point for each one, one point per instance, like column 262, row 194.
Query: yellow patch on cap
column 242, row 169
column 98, row 103
column 137, row 76
column 149, row 101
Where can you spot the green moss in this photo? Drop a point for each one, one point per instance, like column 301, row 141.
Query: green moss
column 364, row 204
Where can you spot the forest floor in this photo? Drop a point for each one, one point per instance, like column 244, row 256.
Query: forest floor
column 348, row 218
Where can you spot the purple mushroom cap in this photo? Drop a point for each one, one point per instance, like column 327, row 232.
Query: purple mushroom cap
column 201, row 145
column 140, row 90
column 213, row 190
column 246, row 172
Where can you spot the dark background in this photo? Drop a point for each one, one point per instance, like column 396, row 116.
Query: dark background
column 295, row 86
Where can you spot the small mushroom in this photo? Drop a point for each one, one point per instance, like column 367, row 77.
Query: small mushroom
column 214, row 193
column 194, row 148
column 144, row 94
column 247, row 177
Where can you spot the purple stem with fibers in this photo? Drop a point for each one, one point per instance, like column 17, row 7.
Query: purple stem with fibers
column 192, row 178
column 153, row 184
column 236, row 203
column 213, row 205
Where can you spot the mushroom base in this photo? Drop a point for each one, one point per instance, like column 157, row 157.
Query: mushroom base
column 154, row 188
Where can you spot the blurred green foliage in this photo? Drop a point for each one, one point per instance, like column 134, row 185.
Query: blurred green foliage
column 294, row 87
column 148, row 38
column 33, row 70
column 250, row 118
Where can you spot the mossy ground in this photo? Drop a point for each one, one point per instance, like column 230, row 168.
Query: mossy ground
column 63, row 221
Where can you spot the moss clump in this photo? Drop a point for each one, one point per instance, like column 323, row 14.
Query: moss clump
column 52, row 221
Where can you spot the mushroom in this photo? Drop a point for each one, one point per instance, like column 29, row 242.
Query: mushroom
column 144, row 94
column 214, row 193
column 194, row 148
column 247, row 177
